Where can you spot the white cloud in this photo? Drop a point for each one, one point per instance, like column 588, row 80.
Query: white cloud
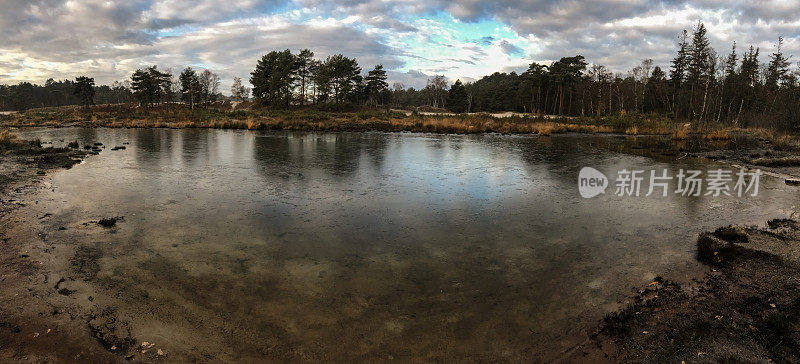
column 413, row 39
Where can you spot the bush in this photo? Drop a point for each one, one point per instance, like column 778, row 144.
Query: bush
column 7, row 138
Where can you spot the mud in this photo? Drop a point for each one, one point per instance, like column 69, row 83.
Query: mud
column 31, row 328
column 746, row 310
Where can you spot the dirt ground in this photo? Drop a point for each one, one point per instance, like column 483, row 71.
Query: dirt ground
column 32, row 330
column 746, row 310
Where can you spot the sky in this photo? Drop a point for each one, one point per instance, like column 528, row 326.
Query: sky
column 413, row 39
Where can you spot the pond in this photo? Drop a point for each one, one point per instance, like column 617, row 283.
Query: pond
column 373, row 246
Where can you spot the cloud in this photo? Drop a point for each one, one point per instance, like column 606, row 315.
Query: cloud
column 511, row 49
column 410, row 78
column 413, row 39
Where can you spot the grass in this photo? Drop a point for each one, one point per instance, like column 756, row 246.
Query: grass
column 718, row 134
column 8, row 139
column 348, row 118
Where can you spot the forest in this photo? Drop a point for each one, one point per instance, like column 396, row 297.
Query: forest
column 700, row 85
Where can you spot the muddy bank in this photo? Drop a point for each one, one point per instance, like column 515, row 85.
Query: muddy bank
column 746, row 310
column 742, row 150
column 31, row 328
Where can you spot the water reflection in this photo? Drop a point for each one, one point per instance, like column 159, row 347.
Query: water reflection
column 357, row 246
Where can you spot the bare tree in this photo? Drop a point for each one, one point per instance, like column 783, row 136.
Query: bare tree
column 209, row 86
column 239, row 91
column 437, row 87
column 640, row 75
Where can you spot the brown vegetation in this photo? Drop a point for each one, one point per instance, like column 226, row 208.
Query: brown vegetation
column 321, row 119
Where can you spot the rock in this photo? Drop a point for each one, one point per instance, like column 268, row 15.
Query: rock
column 732, row 234
column 709, row 248
column 109, row 221
column 66, row 292
column 782, row 223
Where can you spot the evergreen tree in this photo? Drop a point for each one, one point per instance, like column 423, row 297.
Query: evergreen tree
column 143, row 87
column 84, row 89
column 457, row 98
column 749, row 68
column 305, row 70
column 534, row 79
column 376, row 85
column 150, row 85
column 699, row 56
column 730, row 64
column 190, row 86
column 339, row 75
column 778, row 68
column 274, row 78
column 680, row 63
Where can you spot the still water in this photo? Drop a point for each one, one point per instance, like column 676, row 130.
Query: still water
column 239, row 244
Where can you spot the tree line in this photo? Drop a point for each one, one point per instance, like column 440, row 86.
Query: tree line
column 281, row 79
column 699, row 85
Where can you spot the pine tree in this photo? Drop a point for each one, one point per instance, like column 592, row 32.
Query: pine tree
column 457, row 98
column 699, row 56
column 84, row 89
column 749, row 69
column 143, row 87
column 274, row 78
column 730, row 64
column 305, row 70
column 677, row 72
column 376, row 85
column 190, row 86
column 150, row 85
column 778, row 68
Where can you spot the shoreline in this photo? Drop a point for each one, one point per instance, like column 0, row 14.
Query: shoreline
column 313, row 118
column 745, row 309
column 32, row 330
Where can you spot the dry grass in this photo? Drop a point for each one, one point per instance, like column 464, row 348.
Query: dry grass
column 8, row 139
column 785, row 142
column 321, row 119
column 545, row 128
column 719, row 134
column 680, row 133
